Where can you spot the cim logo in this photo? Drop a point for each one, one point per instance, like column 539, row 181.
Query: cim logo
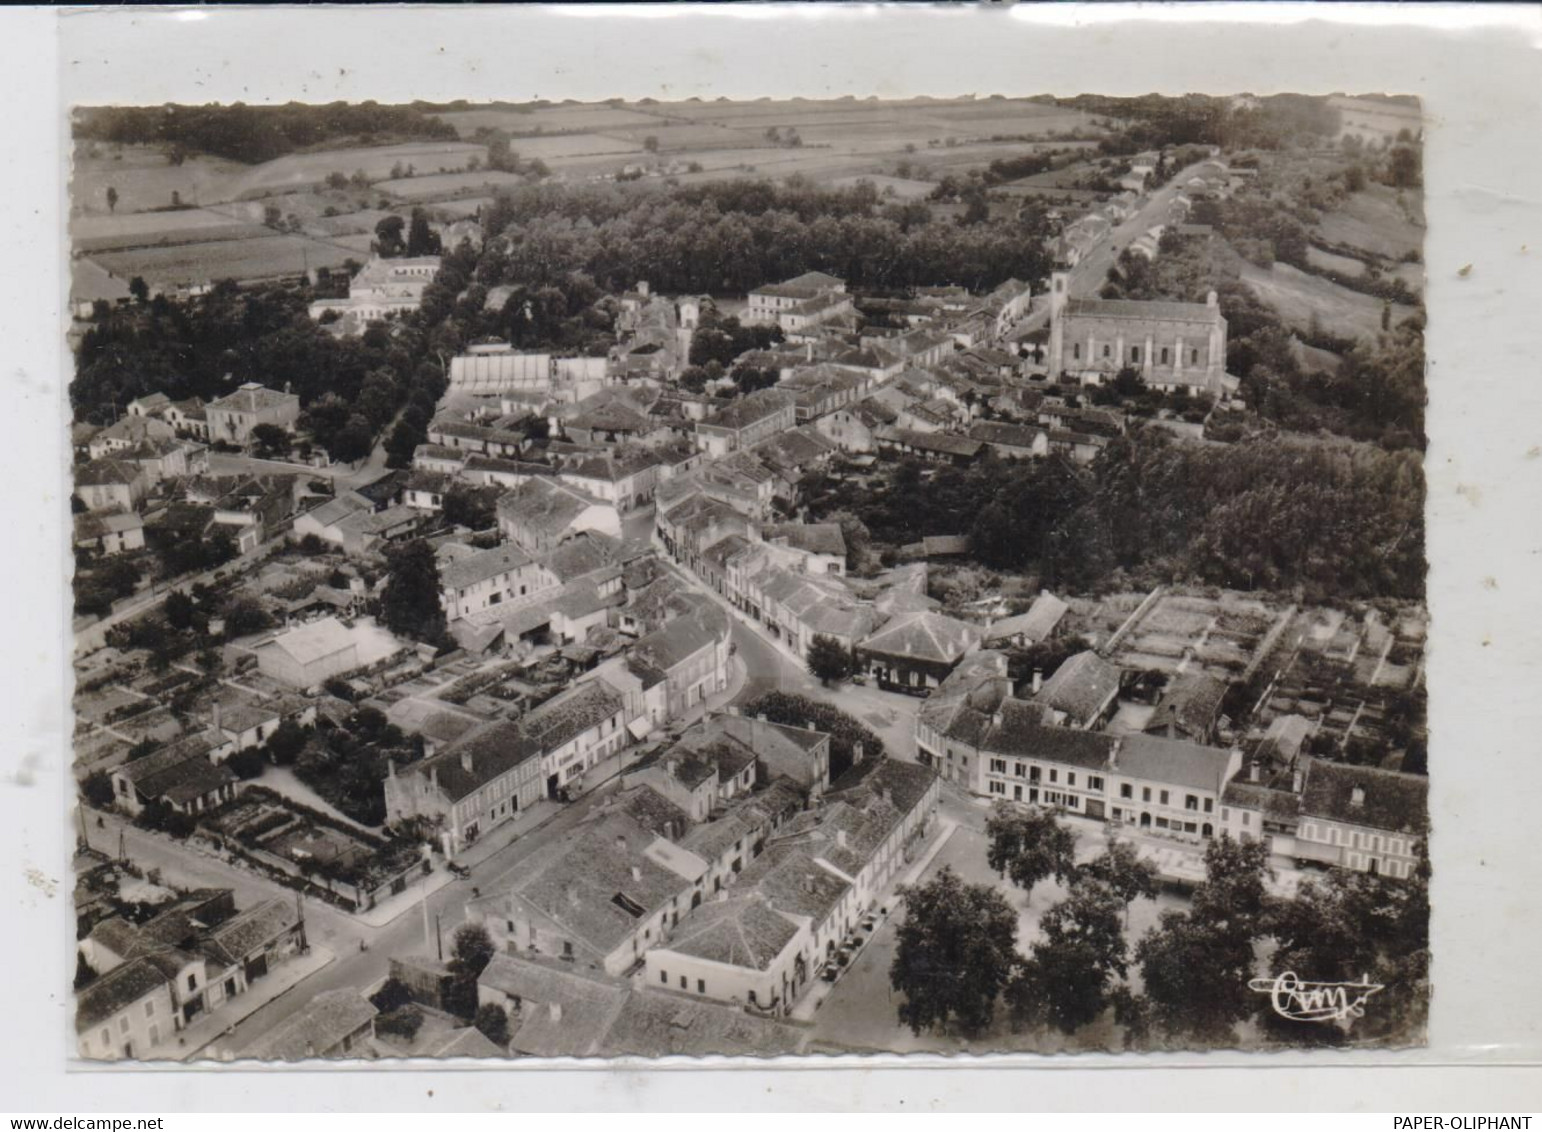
column 1302, row 1001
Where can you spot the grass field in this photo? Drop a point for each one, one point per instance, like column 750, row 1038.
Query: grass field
column 1374, row 221
column 259, row 258
column 902, row 188
column 1297, row 296
column 457, row 209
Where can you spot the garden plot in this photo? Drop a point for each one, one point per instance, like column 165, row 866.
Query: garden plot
column 1219, row 635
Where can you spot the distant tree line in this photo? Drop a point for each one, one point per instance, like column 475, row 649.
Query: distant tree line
column 253, row 134
column 730, row 237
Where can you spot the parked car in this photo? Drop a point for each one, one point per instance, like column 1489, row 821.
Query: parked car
column 458, row 869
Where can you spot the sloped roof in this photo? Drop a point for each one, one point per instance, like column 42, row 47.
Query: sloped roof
column 742, row 932
column 314, row 641
column 1175, row 762
column 1136, row 309
column 546, row 505
column 1037, row 624
column 253, row 399
column 815, row 538
column 1081, row 685
column 480, row 567
column 492, row 750
column 242, row 934
column 106, row 471
column 116, row 990
column 924, row 636
column 1190, row 702
column 327, row 1019
column 1389, row 800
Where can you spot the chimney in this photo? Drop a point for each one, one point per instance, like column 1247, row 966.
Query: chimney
column 856, row 754
column 636, row 872
column 216, row 723
column 390, row 768
column 642, row 288
column 620, row 843
column 810, row 726
column 433, row 779
column 671, row 768
column 1038, row 680
column 808, row 883
column 1253, row 771
column 996, row 718
column 1113, row 754
column 808, row 351
column 1295, row 781
column 1211, row 300
column 465, row 760
column 1357, row 797
column 840, row 838
column 554, row 1009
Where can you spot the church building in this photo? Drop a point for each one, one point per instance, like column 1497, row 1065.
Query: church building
column 1171, row 345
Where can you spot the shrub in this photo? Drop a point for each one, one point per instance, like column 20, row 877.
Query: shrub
column 404, row 1020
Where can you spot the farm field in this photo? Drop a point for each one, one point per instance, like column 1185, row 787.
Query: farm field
column 448, row 184
column 580, row 118
column 144, row 179
column 260, row 258
column 148, row 229
column 1373, row 221
column 1298, row 297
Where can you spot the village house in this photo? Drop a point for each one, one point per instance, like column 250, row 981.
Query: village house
column 128, row 432
column 1041, row 623
column 540, row 513
column 1190, row 708
column 1083, row 692
column 1169, row 785
column 425, row 490
column 626, row 479
column 1362, row 818
column 799, row 304
column 746, row 421
column 466, row 437
column 111, row 485
column 233, row 417
column 335, row 1023
column 108, row 533
column 490, row 577
column 933, row 447
column 486, row 777
column 130, row 1010
column 599, row 896
column 439, row 458
column 915, row 652
column 575, row 731
column 854, row 429
column 689, row 655
column 183, row 776
column 1011, row 441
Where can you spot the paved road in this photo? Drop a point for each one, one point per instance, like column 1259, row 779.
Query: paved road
column 1091, row 271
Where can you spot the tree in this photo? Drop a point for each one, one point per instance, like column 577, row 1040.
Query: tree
column 829, row 661
column 388, row 236
column 475, row 508
column 243, row 617
column 845, row 732
column 954, row 953
column 139, row 289
column 493, row 1021
column 270, row 440
column 409, row 604
column 1234, row 895
column 85, row 974
column 286, row 743
column 1066, row 981
column 97, row 790
column 651, row 143
column 112, row 199
column 392, row 995
column 421, row 239
column 180, row 610
column 1120, row 867
column 1028, row 844
column 472, row 951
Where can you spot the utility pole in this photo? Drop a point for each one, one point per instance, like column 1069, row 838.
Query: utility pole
column 438, row 938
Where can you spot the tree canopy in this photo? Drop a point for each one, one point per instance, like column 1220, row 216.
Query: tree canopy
column 955, row 951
